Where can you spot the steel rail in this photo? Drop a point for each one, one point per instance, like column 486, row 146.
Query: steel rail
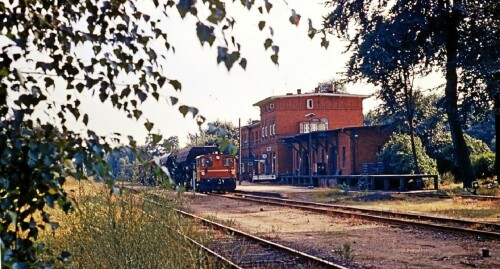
column 254, row 238
column 394, row 217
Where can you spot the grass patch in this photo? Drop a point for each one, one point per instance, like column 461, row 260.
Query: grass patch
column 106, row 232
column 332, row 195
column 455, row 207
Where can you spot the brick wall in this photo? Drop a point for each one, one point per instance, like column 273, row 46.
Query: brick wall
column 283, row 115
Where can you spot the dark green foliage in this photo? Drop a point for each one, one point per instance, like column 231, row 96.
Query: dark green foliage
column 484, row 165
column 440, row 148
column 484, row 130
column 35, row 161
column 337, row 84
column 397, row 156
column 223, row 135
column 143, row 163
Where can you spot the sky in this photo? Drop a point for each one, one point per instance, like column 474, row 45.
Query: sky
column 225, row 95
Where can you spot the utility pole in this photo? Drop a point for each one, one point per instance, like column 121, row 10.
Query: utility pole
column 239, row 151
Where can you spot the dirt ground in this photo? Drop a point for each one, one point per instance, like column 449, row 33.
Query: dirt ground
column 362, row 243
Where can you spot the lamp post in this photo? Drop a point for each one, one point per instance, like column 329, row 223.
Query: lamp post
column 309, row 146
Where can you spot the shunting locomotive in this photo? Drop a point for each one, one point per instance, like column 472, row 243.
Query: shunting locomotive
column 205, row 167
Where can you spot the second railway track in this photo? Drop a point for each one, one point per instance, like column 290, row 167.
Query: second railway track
column 484, row 229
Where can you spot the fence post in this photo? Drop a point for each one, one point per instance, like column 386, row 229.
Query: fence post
column 386, row 184
column 402, row 184
column 435, row 182
column 419, row 183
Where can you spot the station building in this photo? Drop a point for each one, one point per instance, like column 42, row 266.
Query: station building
column 311, row 135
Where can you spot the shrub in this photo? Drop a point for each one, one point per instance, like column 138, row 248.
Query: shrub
column 441, row 149
column 484, row 165
column 398, row 158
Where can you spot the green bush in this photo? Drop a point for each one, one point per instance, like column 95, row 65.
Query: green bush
column 441, row 149
column 484, row 165
column 398, row 158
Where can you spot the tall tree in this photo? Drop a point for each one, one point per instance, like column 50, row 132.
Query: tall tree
column 388, row 58
column 480, row 78
column 438, row 30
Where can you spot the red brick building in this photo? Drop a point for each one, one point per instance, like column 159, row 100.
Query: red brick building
column 326, row 124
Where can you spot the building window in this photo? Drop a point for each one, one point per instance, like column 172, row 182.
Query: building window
column 304, row 127
column 343, row 157
column 309, row 103
column 314, row 127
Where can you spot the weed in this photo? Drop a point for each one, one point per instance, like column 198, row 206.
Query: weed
column 230, row 222
column 344, row 187
column 363, row 183
column 275, row 229
column 447, row 179
column 345, row 251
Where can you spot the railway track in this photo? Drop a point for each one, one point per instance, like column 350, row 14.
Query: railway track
column 237, row 249
column 464, row 196
column 483, row 229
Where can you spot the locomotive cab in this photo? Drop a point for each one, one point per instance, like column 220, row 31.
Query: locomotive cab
column 215, row 172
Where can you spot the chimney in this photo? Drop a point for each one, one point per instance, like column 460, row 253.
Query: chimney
column 316, row 90
column 299, row 91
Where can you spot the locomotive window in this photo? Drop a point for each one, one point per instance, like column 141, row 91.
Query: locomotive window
column 207, row 162
column 228, row 161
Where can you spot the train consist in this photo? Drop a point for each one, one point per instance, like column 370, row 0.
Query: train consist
column 205, row 167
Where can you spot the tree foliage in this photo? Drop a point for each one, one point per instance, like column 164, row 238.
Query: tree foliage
column 35, row 162
column 429, row 117
column 138, row 164
column 430, row 125
column 223, row 135
column 440, row 148
column 398, row 158
column 338, row 86
column 484, row 165
column 484, row 130
column 425, row 35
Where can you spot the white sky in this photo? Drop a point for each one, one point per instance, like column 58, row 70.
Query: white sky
column 229, row 96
